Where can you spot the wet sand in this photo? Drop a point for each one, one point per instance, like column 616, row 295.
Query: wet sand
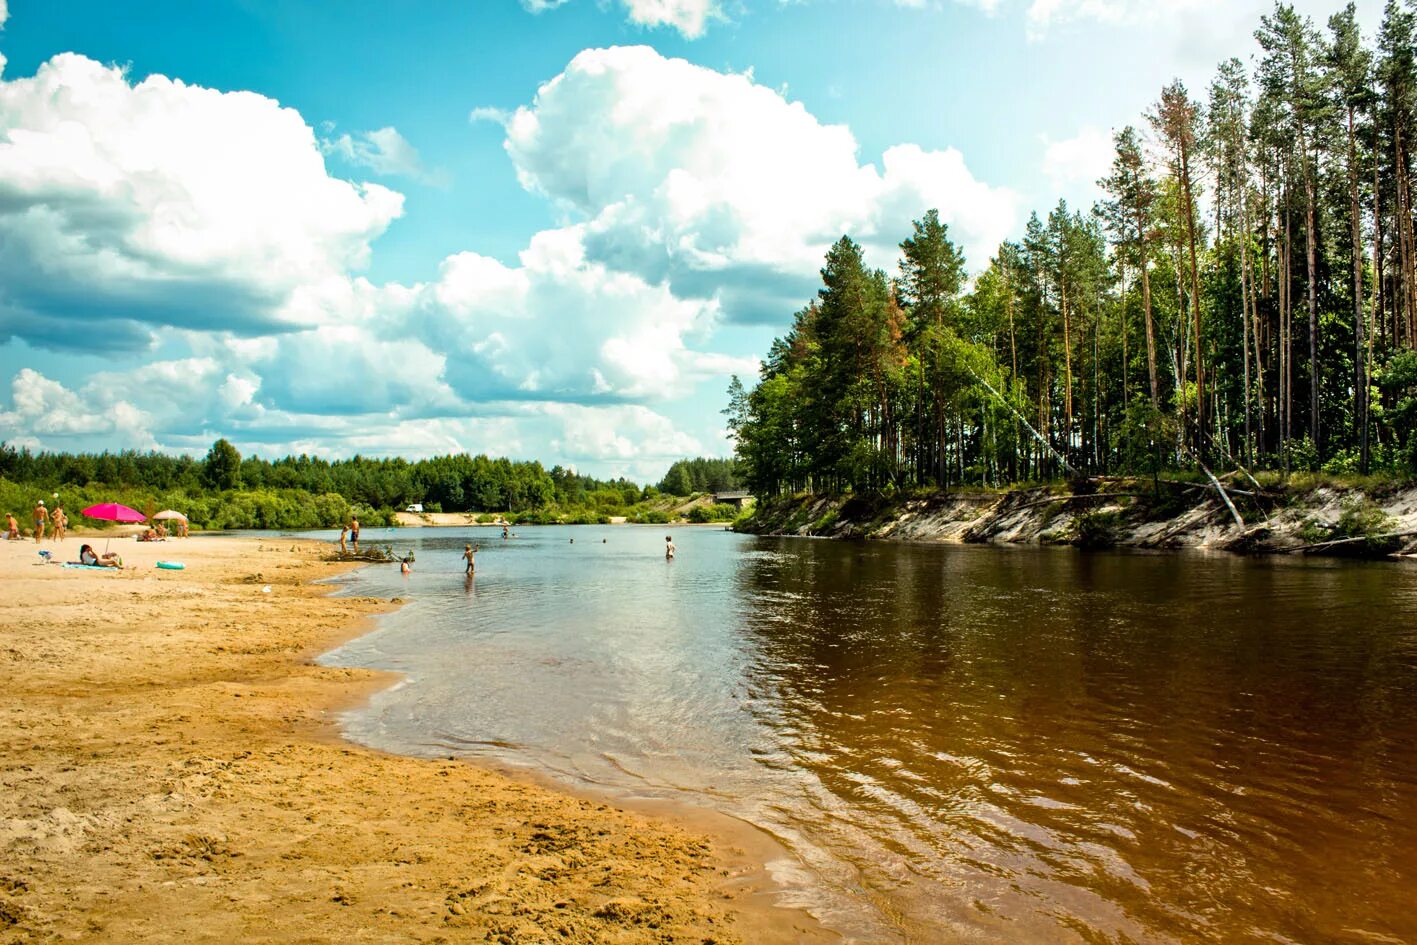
column 169, row 772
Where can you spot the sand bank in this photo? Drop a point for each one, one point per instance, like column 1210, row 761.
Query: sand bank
column 168, row 773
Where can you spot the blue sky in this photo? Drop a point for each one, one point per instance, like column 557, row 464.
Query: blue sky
column 535, row 228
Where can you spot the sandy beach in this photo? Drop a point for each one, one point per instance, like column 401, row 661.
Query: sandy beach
column 169, row 772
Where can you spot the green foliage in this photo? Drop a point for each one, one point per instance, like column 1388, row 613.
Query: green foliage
column 1362, row 524
column 700, row 514
column 222, row 468
column 705, row 474
column 223, row 491
column 1362, row 518
column 1097, row 529
column 1151, row 334
column 1301, row 455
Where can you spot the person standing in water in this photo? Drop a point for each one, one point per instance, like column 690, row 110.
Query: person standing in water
column 354, row 533
column 669, row 547
column 469, row 555
column 41, row 517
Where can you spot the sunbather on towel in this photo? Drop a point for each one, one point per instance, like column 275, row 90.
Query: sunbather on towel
column 108, row 559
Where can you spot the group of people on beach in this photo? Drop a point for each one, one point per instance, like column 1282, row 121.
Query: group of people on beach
column 158, row 532
column 54, row 522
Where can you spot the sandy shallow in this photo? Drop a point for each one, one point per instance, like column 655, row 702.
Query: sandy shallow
column 169, row 773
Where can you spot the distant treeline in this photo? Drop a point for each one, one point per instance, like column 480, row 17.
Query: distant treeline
column 225, row 490
column 705, row 474
column 1245, row 293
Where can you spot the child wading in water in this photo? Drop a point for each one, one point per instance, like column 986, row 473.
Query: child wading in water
column 669, row 547
column 469, row 555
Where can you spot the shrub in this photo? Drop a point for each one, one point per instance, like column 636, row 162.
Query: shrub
column 1302, row 455
column 713, row 513
column 1097, row 529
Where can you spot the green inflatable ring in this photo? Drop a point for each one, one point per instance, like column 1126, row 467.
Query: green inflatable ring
column 171, row 565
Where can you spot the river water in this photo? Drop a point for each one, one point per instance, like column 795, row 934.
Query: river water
column 970, row 744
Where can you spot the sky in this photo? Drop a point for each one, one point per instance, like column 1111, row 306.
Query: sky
column 542, row 229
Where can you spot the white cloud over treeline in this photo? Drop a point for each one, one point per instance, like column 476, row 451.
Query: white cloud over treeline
column 199, row 240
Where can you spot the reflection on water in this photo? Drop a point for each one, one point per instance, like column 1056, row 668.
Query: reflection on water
column 972, row 744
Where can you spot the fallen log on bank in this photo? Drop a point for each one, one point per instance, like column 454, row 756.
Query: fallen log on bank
column 1339, row 542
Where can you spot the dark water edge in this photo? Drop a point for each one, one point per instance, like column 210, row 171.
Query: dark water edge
column 966, row 744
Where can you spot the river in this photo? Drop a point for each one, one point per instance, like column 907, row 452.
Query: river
column 973, row 744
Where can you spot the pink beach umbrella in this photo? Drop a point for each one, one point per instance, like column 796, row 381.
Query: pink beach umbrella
column 113, row 512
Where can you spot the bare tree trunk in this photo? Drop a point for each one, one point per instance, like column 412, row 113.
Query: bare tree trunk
column 1122, row 323
column 1146, row 311
column 1009, row 304
column 1360, row 404
column 1067, row 374
column 1313, row 298
column 1286, row 374
column 1195, row 301
column 1245, row 326
column 1409, row 252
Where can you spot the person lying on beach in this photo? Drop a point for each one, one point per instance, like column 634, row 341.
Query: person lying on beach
column 106, row 560
column 12, row 527
column 149, row 535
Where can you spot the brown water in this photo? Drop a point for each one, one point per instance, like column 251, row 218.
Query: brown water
column 956, row 743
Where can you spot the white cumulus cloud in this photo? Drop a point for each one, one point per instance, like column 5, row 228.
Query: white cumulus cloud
column 689, row 17
column 163, row 203
column 723, row 187
column 1079, row 160
column 44, row 411
column 159, row 216
column 384, row 151
column 557, row 326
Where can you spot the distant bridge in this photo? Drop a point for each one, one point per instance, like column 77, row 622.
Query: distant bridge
column 739, row 499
